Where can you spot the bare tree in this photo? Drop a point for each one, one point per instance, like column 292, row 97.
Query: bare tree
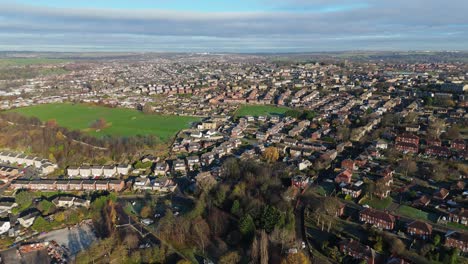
column 264, row 248
column 254, row 251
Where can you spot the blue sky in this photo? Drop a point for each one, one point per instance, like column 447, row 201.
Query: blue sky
column 233, row 26
column 202, row 5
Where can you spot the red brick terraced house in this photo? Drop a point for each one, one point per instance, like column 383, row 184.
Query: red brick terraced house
column 458, row 144
column 457, row 240
column 422, row 201
column 439, row 151
column 377, row 218
column 441, row 194
column 407, row 147
column 348, row 164
column 344, row 176
column 434, row 142
column 459, row 215
column 408, row 138
column 420, row 229
column 357, row 250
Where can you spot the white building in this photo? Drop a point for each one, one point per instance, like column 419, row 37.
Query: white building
column 4, row 227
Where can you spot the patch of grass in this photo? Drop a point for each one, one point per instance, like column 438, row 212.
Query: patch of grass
column 260, row 110
column 28, row 61
column 457, row 225
column 121, row 122
column 377, row 203
column 411, row 212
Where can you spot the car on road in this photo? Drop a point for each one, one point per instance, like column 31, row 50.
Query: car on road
column 147, row 221
column 303, row 245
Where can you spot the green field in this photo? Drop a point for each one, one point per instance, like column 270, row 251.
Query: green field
column 259, row 110
column 375, row 202
column 411, row 212
column 28, row 61
column 119, row 121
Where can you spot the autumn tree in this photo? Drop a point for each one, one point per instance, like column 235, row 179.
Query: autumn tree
column 147, row 108
column 131, row 240
column 232, row 257
column 145, row 211
column 436, row 127
column 51, row 123
column 271, row 154
column 298, row 258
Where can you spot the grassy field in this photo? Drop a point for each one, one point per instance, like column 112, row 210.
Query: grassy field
column 119, row 122
column 28, row 61
column 377, row 203
column 259, row 110
column 411, row 212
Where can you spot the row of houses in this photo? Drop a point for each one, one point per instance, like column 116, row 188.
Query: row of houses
column 107, row 171
column 69, row 185
column 416, row 228
column 164, row 185
column 410, row 143
column 43, row 165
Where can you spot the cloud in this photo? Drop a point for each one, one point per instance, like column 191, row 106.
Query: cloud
column 371, row 24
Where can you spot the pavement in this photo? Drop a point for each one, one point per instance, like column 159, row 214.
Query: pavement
column 76, row 239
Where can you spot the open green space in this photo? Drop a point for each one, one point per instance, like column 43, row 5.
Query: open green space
column 118, row 121
column 457, row 225
column 260, row 110
column 28, row 61
column 378, row 203
column 411, row 212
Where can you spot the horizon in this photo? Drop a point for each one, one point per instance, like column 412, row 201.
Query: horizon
column 258, row 26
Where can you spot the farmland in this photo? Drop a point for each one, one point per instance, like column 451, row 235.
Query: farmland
column 259, row 110
column 118, row 121
column 28, row 61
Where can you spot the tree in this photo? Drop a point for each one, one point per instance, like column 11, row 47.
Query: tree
column 452, row 257
column 200, row 233
column 235, row 209
column 232, row 257
column 99, row 124
column 408, row 165
column 147, row 108
column 293, row 113
column 254, row 251
column 436, row 240
column 453, row 133
column 24, row 199
column 435, row 127
column 46, row 207
column 271, row 154
column 264, row 245
column 247, row 226
column 131, row 240
column 298, row 258
column 369, row 188
column 145, row 211
column 270, row 217
column 342, row 133
column 51, row 123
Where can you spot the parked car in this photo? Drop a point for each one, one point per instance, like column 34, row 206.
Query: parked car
column 147, row 221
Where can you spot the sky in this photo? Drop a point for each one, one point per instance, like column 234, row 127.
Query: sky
column 233, row 25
